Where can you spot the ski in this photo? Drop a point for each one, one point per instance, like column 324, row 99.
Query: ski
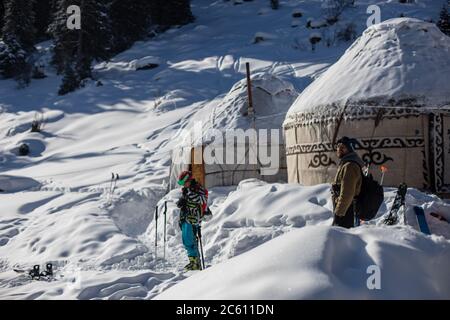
column 399, row 202
column 420, row 215
column 20, row 270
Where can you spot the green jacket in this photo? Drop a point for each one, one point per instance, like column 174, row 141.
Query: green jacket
column 347, row 182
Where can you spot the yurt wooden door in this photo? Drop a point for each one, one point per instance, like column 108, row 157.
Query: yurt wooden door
column 197, row 165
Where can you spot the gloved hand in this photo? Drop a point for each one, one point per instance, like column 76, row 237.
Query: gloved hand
column 181, row 203
column 335, row 190
column 207, row 215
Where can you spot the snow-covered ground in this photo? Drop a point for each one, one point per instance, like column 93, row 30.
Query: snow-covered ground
column 264, row 240
column 319, row 262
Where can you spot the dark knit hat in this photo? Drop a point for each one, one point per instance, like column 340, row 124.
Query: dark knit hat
column 348, row 142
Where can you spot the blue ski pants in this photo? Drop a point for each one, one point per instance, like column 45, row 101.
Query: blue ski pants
column 189, row 236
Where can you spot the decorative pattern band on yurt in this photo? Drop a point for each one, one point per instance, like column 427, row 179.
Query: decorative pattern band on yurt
column 413, row 144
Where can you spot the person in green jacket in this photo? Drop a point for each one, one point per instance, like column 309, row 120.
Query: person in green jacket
column 347, row 183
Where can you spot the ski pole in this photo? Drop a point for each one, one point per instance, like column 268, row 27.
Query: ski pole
column 108, row 195
column 199, row 232
column 110, row 183
column 156, row 233
column 199, row 239
column 165, row 223
column 114, row 184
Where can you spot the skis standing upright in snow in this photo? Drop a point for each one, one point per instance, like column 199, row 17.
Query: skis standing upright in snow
column 399, row 202
column 420, row 215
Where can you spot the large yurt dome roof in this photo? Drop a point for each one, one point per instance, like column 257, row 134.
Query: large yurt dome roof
column 396, row 62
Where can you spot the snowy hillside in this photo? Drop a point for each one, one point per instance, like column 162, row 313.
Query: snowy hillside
column 59, row 204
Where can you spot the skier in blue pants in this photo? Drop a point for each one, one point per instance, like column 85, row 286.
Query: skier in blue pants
column 192, row 204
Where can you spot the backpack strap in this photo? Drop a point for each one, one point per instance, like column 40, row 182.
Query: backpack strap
column 359, row 165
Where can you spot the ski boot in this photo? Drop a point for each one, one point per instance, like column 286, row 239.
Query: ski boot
column 34, row 273
column 194, row 264
column 188, row 266
column 48, row 271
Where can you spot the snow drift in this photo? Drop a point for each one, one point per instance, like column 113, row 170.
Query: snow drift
column 321, row 262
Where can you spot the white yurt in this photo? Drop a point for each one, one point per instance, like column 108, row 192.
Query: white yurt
column 216, row 157
column 390, row 92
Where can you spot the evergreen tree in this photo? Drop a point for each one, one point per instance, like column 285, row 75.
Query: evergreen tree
column 65, row 40
column 2, row 16
column 444, row 20
column 275, row 4
column 70, row 81
column 13, row 61
column 43, row 15
column 94, row 40
column 19, row 23
column 130, row 20
column 79, row 48
column 171, row 12
column 18, row 40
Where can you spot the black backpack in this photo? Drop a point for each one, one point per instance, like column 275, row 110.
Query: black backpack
column 369, row 199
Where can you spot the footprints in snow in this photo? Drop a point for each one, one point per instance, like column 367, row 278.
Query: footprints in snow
column 9, row 229
column 317, row 201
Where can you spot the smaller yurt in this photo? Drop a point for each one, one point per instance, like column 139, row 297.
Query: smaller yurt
column 228, row 139
column 390, row 92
